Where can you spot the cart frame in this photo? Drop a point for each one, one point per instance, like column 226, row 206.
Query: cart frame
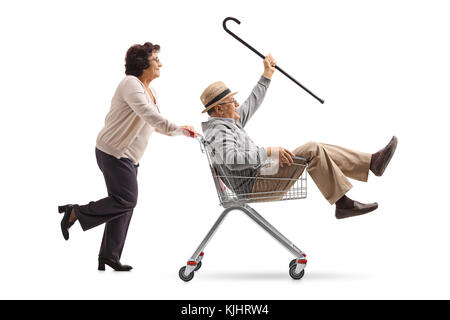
column 239, row 201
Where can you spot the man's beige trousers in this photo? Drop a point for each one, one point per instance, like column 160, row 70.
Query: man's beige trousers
column 328, row 165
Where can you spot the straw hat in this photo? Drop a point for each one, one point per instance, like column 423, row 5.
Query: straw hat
column 214, row 94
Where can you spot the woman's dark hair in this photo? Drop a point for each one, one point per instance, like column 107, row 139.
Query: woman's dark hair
column 137, row 56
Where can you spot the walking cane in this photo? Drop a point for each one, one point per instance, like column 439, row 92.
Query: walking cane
column 259, row 54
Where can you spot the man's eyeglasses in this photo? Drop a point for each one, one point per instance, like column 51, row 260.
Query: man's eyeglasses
column 227, row 102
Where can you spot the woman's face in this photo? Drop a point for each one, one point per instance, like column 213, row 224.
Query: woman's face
column 153, row 71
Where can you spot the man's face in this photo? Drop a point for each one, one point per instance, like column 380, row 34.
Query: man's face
column 228, row 109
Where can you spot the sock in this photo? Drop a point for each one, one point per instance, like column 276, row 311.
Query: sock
column 345, row 203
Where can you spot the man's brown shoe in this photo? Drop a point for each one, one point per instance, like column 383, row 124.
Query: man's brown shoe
column 357, row 210
column 381, row 159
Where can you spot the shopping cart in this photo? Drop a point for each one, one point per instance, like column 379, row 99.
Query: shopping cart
column 238, row 188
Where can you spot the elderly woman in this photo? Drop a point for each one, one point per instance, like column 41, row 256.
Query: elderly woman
column 133, row 117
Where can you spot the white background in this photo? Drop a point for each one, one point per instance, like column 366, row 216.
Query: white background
column 382, row 68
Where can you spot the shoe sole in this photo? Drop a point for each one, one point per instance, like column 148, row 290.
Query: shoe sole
column 349, row 213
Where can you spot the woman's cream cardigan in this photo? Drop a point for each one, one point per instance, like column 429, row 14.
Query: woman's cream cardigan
column 131, row 120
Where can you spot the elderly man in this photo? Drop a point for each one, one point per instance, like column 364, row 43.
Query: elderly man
column 235, row 155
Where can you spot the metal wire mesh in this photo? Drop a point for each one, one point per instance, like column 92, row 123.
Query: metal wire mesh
column 247, row 186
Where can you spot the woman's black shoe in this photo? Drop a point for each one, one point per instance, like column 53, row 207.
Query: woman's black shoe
column 65, row 224
column 116, row 265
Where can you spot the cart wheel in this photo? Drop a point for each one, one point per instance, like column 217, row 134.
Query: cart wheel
column 183, row 277
column 199, row 265
column 293, row 262
column 296, row 276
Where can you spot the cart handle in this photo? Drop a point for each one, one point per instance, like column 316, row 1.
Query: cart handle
column 191, row 134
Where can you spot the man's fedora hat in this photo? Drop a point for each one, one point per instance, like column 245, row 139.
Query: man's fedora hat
column 214, row 94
